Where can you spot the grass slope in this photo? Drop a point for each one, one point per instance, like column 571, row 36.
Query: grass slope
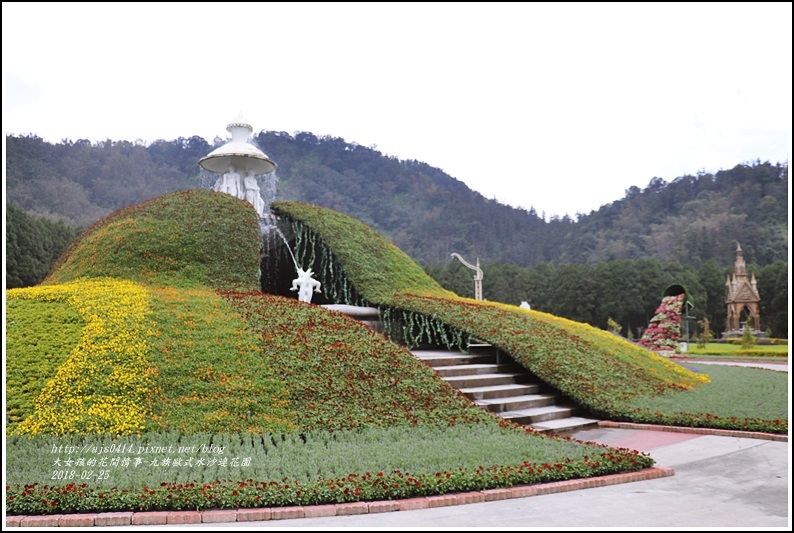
column 601, row 371
column 185, row 239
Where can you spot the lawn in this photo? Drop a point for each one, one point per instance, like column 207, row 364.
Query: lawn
column 736, row 350
column 732, row 392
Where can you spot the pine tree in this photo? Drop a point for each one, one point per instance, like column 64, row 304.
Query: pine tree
column 748, row 339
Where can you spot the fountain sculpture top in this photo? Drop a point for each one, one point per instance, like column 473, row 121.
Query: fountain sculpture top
column 238, row 162
column 244, row 156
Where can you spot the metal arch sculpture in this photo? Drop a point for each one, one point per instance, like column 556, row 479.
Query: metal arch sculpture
column 477, row 275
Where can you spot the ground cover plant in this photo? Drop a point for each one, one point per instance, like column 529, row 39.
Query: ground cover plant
column 207, row 373
column 243, row 470
column 150, row 358
column 39, row 338
column 596, row 369
column 763, row 395
column 175, row 343
column 343, row 374
column 100, row 386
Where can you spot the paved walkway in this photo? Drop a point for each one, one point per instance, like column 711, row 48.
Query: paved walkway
column 769, row 365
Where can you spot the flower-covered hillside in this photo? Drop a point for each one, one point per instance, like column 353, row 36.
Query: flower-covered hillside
column 167, row 345
column 158, row 336
column 600, row 371
column 203, row 359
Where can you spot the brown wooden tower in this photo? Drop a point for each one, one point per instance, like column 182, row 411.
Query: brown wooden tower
column 741, row 296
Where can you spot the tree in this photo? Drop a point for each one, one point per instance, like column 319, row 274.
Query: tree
column 32, row 246
column 454, row 277
column 705, row 334
column 542, row 278
column 773, row 287
column 623, row 292
column 748, row 339
column 576, row 294
column 503, row 282
column 712, row 278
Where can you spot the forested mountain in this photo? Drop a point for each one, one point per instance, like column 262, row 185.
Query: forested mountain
column 687, row 228
column 692, row 219
column 424, row 211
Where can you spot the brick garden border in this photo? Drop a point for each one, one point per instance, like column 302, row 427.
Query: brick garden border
column 353, row 508
column 698, row 431
column 339, row 509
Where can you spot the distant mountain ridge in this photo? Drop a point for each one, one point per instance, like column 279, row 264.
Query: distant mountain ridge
column 421, row 209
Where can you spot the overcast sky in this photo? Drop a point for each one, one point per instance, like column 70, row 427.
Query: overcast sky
column 560, row 107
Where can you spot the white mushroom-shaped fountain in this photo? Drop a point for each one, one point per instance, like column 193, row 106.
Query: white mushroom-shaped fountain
column 239, row 162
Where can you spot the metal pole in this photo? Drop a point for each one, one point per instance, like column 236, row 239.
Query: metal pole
column 687, row 332
column 477, row 275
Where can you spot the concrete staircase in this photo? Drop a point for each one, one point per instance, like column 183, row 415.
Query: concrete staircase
column 494, row 382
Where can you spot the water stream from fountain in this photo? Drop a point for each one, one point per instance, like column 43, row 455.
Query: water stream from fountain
column 266, row 227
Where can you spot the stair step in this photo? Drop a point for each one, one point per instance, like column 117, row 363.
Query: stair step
column 480, row 347
column 514, row 403
column 484, row 380
column 504, row 389
column 426, row 353
column 475, row 369
column 565, row 425
column 500, row 391
column 447, row 358
column 534, row 415
column 374, row 324
column 355, row 311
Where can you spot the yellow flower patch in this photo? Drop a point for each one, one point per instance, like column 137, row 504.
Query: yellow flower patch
column 101, row 386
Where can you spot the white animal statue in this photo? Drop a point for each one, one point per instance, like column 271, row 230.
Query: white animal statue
column 304, row 284
column 524, row 305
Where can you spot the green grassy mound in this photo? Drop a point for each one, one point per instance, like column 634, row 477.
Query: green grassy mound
column 185, row 239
